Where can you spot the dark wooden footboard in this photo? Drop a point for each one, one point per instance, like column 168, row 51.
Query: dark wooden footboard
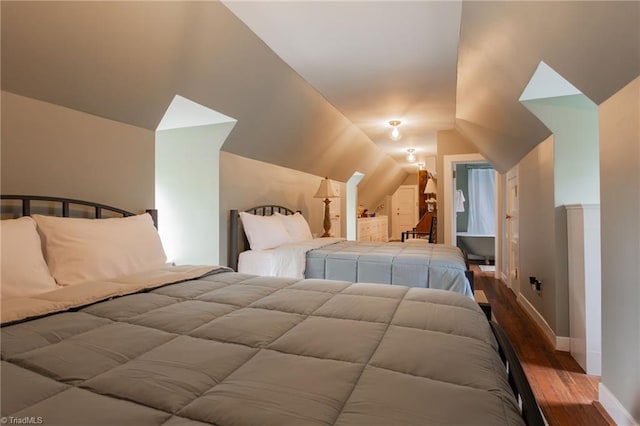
column 469, row 274
column 529, row 407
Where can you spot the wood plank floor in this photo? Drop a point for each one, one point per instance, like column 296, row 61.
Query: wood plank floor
column 565, row 393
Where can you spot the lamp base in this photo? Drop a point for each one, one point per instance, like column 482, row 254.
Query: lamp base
column 327, row 219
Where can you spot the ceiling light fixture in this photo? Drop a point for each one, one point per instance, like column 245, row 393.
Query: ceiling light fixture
column 410, row 155
column 395, row 133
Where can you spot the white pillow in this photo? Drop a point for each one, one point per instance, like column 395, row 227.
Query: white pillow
column 296, row 226
column 264, row 232
column 24, row 272
column 79, row 250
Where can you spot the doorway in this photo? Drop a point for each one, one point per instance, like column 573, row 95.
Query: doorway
column 405, row 210
column 488, row 245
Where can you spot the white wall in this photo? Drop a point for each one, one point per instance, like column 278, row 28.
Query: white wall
column 574, row 123
column 351, row 211
column 187, row 192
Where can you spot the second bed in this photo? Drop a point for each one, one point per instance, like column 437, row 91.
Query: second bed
column 413, row 263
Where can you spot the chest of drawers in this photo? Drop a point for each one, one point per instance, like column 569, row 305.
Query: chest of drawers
column 373, row 229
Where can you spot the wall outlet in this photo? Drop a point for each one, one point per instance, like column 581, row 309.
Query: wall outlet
column 536, row 284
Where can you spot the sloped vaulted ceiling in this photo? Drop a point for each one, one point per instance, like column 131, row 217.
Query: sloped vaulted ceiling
column 593, row 45
column 127, row 60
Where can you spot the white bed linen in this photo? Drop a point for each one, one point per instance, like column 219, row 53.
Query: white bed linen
column 288, row 260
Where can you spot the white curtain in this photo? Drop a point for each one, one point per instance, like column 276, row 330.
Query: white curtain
column 482, row 202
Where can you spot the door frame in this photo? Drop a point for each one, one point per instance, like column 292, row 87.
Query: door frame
column 335, row 211
column 512, row 280
column 449, row 214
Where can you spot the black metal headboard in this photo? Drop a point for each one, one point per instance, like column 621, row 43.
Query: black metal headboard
column 65, row 203
column 237, row 239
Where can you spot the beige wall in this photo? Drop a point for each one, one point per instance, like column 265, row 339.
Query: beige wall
column 51, row 150
column 450, row 142
column 538, row 228
column 412, row 179
column 246, row 183
column 620, row 213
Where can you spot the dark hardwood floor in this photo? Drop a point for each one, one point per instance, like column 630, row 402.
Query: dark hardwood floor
column 565, row 393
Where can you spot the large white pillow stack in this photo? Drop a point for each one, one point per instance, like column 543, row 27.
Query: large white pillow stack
column 297, row 227
column 24, row 272
column 264, row 232
column 79, row 250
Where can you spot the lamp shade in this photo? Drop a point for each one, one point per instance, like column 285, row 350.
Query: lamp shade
column 430, row 188
column 326, row 189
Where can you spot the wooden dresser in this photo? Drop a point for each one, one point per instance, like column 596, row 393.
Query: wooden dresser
column 373, row 229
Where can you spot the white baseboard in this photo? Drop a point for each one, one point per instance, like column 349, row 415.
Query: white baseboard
column 617, row 412
column 560, row 343
column 594, row 363
column 563, row 343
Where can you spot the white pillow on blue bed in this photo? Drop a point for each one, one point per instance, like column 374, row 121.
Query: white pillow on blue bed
column 79, row 250
column 296, row 226
column 264, row 232
column 24, row 272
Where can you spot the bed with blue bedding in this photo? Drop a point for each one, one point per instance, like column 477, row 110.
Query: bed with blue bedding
column 413, row 263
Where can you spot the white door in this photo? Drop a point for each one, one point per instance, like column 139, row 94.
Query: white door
column 512, row 232
column 334, row 214
column 405, row 210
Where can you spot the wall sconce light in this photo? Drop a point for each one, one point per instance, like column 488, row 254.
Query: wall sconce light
column 410, row 155
column 395, row 133
column 420, row 166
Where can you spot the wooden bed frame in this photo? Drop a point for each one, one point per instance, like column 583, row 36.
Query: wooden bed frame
column 530, row 410
column 63, row 204
column 518, row 381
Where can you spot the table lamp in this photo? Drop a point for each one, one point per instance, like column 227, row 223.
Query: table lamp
column 326, row 191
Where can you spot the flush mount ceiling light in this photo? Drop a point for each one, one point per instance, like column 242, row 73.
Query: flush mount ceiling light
column 395, row 133
column 410, row 155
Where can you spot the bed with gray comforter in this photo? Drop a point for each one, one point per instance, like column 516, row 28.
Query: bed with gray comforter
column 233, row 349
column 412, row 263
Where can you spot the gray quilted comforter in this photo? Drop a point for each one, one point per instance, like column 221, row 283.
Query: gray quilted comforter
column 413, row 263
column 233, row 349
